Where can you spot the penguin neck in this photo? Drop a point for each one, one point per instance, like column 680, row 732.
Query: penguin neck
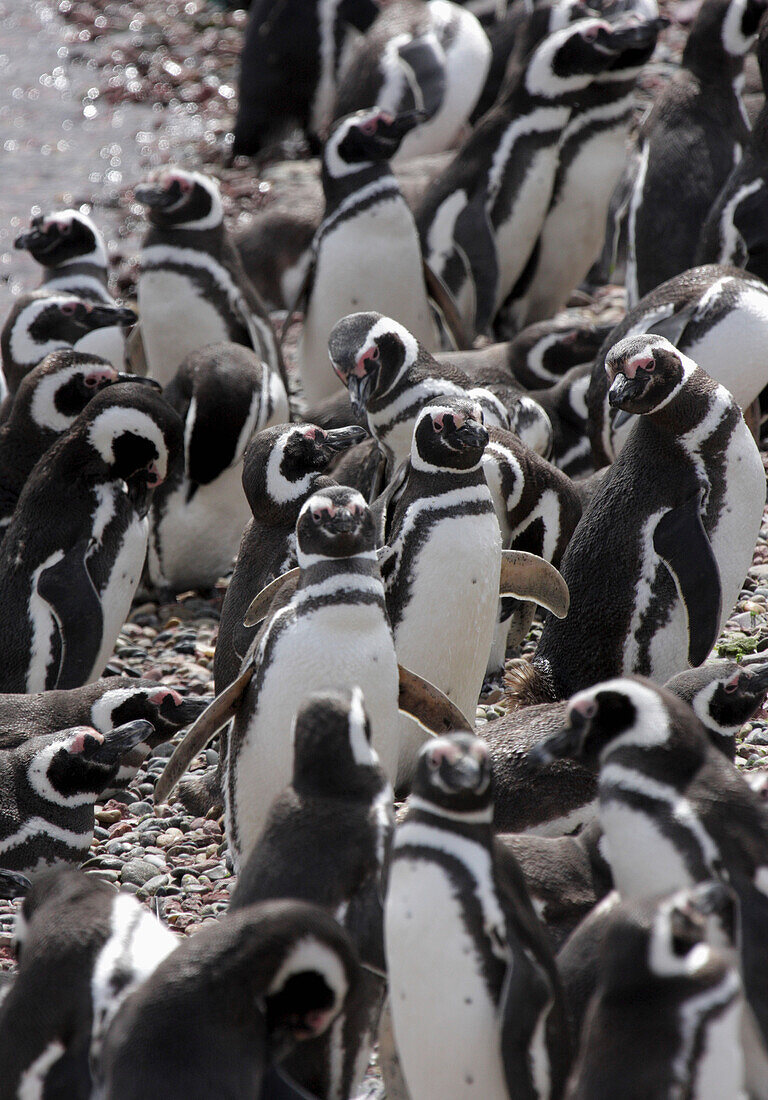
column 686, row 408
column 343, row 192
column 319, row 569
column 705, row 57
column 210, row 240
column 67, row 269
column 432, row 481
column 284, row 513
column 474, row 825
column 675, row 761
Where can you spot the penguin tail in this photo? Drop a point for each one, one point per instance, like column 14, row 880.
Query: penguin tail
column 527, row 683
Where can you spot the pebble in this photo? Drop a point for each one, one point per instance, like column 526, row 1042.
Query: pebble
column 138, row 872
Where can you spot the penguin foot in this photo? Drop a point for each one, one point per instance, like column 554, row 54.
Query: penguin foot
column 200, row 794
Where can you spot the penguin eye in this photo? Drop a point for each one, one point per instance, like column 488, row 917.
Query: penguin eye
column 68, row 309
column 437, row 423
column 590, row 35
column 374, row 353
column 731, row 686
column 185, row 186
column 370, row 126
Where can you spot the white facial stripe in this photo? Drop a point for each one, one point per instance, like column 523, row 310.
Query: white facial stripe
column 24, row 350
column 689, row 367
column 362, row 752
column 111, row 423
column 651, row 725
column 279, row 488
column 43, row 407
column 662, row 960
column 701, row 703
column 734, row 41
column 385, row 325
column 216, row 215
column 104, row 708
column 37, row 774
column 334, row 164
column 98, row 254
column 309, row 953
column 32, row 1081
column 540, row 79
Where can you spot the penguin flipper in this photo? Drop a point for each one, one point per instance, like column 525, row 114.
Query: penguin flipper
column 383, row 507
column 260, row 605
column 427, row 705
column 300, row 303
column 529, row 577
column 423, row 63
column 443, row 300
column 475, row 238
column 683, row 545
column 70, row 593
column 202, row 730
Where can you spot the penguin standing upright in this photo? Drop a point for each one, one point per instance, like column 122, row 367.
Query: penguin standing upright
column 669, row 535
column 73, row 552
column 73, row 255
column 192, row 289
column 474, row 992
column 692, row 138
column 365, row 214
column 224, row 394
column 326, row 841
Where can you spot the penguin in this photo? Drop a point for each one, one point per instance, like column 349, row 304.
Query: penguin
column 72, row 554
column 283, row 466
column 330, row 631
column 42, row 322
column 665, row 1017
column 716, row 315
column 543, row 352
column 224, row 395
column 230, row 1001
column 565, row 405
column 566, row 876
column 192, row 289
column 365, row 213
column 723, row 695
column 477, row 1009
column 693, row 136
column 430, row 56
column 670, row 532
column 591, row 156
column 49, row 785
column 46, row 404
column 73, row 255
column 326, row 841
column 289, row 66
column 81, row 948
column 735, row 229
column 479, row 221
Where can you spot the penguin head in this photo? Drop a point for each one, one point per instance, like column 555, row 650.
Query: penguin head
column 572, row 57
column 166, row 709
column 645, row 373
column 454, row 774
column 369, row 353
column 181, row 200
column 13, row 885
column 723, row 695
column 335, row 523
column 332, row 752
column 366, row 137
column 449, row 435
column 133, row 435
column 740, row 22
column 72, row 767
column 63, row 237
column 59, row 388
column 41, row 322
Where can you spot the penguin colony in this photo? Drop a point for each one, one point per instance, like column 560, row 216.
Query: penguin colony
column 568, row 901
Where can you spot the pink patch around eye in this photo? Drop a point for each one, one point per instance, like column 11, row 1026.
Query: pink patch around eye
column 640, row 362
column 81, row 739
column 437, row 422
column 310, row 433
column 157, row 698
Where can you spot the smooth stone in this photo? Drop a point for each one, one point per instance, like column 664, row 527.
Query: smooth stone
column 138, row 872
column 139, row 809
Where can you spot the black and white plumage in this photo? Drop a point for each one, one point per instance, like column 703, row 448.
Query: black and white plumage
column 74, row 550
column 289, row 67
column 42, row 322
column 224, row 394
column 48, row 787
column 326, row 840
column 228, row 1003
column 474, row 992
column 565, row 404
column 542, row 353
column 687, row 146
column 430, row 56
column 45, row 406
column 480, row 220
column 81, row 948
column 73, row 254
column 668, row 537
column 716, row 315
column 724, row 696
column 283, row 466
column 365, row 215
column 192, row 289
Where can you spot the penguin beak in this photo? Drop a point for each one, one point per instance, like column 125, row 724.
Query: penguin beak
column 471, row 434
column 184, row 713
column 566, row 742
column 140, row 380
column 464, row 775
column 139, row 491
column 152, row 195
column 31, row 238
column 359, row 392
column 633, row 35
column 624, row 389
column 758, row 677
column 407, row 121
column 102, row 316
column 341, row 439
column 13, row 885
column 119, row 741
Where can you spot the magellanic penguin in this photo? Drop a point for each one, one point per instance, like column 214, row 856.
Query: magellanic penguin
column 724, row 695
column 326, row 841
column 283, row 466
column 49, row 785
column 665, row 1018
column 45, row 406
column 42, row 322
column 224, row 394
column 542, row 353
column 591, row 156
column 73, row 255
column 430, row 56
column 565, row 405
column 668, row 538
column 480, row 220
column 716, row 315
column 192, row 289
column 74, row 550
column 736, row 229
column 289, row 65
column 328, row 629
column 365, row 214
column 692, row 138
column 476, row 1002
column 230, row 1001
column 81, row 948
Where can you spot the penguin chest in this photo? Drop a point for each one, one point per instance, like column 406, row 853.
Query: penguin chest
column 123, row 580
column 732, row 349
column 177, row 317
column 719, row 1069
column 445, row 1020
column 643, row 857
